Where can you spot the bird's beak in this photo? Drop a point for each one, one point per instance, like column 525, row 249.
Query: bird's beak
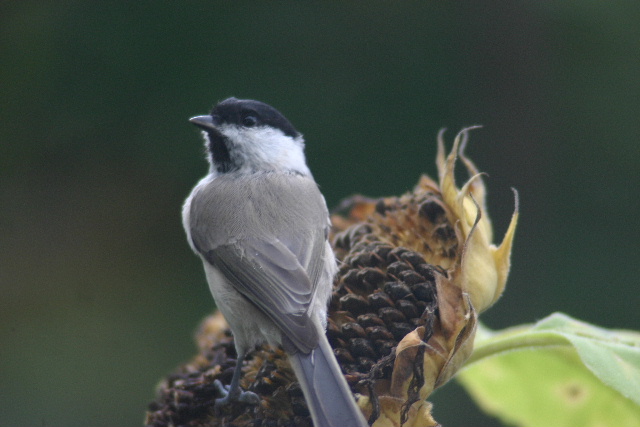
column 203, row 122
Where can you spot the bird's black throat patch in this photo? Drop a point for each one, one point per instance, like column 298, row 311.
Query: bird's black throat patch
column 220, row 152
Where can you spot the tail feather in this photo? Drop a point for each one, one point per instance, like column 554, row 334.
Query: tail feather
column 326, row 391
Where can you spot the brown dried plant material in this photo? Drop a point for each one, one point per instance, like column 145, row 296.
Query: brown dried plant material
column 415, row 272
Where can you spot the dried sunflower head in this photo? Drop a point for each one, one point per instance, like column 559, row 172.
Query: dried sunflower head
column 430, row 249
column 415, row 272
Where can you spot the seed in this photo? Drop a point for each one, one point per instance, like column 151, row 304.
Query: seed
column 370, row 320
column 397, row 290
column 354, row 304
column 400, row 329
column 397, row 267
column 361, row 347
column 407, row 308
column 432, row 210
column 343, row 355
column 351, row 277
column 353, row 330
column 425, row 271
column 395, row 254
column 382, row 251
column 380, row 207
column 424, row 292
column 379, row 300
column 444, row 232
column 364, row 259
column 372, row 277
column 391, row 315
column 410, row 277
column 412, row 258
column 378, row 333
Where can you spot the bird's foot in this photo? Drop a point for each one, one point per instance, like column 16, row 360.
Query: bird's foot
column 231, row 396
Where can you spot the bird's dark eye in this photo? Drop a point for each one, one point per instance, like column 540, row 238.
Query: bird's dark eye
column 249, row 121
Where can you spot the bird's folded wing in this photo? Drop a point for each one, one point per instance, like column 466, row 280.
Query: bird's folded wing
column 268, row 274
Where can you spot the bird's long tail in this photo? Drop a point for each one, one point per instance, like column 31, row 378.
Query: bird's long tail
column 326, row 391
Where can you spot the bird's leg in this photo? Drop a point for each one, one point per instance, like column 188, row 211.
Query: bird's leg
column 233, row 392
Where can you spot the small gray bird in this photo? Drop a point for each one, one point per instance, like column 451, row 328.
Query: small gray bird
column 260, row 225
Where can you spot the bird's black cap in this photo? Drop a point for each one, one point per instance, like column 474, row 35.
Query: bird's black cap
column 250, row 113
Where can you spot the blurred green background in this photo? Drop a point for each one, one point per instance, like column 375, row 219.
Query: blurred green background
column 100, row 294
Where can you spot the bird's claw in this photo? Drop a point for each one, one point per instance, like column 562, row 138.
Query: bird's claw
column 221, row 388
column 245, row 397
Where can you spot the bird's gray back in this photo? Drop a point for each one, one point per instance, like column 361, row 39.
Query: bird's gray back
column 267, row 205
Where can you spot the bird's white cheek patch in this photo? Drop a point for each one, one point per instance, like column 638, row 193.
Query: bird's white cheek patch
column 266, row 148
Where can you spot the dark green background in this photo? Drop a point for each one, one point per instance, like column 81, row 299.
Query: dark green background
column 100, row 294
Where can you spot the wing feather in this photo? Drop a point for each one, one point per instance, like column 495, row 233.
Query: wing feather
column 271, row 277
column 272, row 252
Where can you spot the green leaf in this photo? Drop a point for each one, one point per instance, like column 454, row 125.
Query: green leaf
column 559, row 372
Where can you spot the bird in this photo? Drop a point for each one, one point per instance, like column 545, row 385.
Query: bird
column 260, row 225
